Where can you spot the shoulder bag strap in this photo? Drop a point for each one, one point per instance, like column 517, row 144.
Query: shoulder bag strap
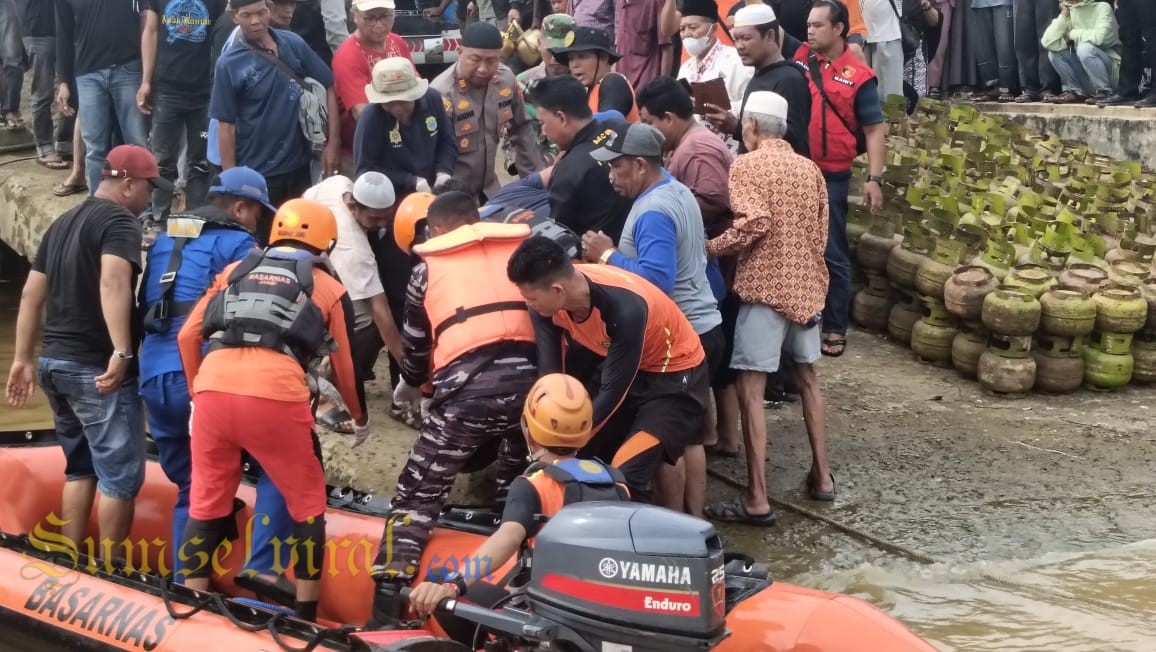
column 275, row 60
column 817, row 79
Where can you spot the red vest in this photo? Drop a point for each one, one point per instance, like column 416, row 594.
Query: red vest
column 832, row 144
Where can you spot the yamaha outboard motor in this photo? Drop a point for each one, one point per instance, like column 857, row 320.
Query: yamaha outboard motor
column 632, row 575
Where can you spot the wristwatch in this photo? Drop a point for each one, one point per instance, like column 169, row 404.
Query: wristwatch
column 877, row 178
column 121, row 355
column 605, row 258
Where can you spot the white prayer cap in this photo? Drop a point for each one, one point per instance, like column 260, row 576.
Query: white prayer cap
column 752, row 15
column 766, row 103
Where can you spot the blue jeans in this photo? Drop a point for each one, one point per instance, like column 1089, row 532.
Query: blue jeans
column 102, row 435
column 12, row 56
column 107, row 98
column 1086, row 71
column 42, row 58
column 837, row 255
column 169, row 407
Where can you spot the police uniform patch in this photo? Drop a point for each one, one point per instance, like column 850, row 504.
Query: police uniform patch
column 464, row 143
column 463, row 105
column 446, row 103
column 505, row 91
column 395, row 136
column 466, row 128
column 431, row 124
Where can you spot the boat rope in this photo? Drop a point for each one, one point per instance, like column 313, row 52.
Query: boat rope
column 923, row 558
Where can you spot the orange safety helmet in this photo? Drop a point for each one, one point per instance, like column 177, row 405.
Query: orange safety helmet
column 306, row 221
column 558, row 412
column 409, row 225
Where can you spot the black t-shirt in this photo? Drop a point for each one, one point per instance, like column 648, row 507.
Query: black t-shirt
column 523, row 506
column 39, row 17
column 93, row 35
column 787, row 79
column 69, row 256
column 184, row 44
column 581, row 196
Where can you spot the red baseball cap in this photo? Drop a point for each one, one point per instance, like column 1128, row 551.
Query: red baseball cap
column 135, row 162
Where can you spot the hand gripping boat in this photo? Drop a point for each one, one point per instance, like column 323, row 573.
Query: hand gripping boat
column 605, row 577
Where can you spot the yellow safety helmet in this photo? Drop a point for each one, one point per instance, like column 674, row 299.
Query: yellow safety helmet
column 558, row 412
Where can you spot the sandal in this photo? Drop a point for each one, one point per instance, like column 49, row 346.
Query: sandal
column 1027, row 98
column 1068, row 97
column 716, row 450
column 14, row 122
column 834, row 342
column 66, row 189
column 1005, row 98
column 813, row 489
column 57, row 164
column 990, row 95
column 404, row 416
column 336, row 420
column 734, row 511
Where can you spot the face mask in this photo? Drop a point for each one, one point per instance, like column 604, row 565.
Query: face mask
column 696, row 46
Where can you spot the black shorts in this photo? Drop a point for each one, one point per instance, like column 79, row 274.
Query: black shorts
column 714, row 343
column 670, row 406
column 365, row 347
column 723, row 375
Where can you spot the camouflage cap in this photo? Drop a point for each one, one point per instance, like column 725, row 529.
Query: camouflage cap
column 558, row 30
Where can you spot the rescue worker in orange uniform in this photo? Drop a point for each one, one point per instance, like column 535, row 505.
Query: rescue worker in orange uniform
column 557, row 422
column 467, row 322
column 591, row 59
column 268, row 320
column 653, row 385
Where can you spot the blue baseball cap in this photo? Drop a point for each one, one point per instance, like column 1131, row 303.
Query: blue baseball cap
column 245, row 183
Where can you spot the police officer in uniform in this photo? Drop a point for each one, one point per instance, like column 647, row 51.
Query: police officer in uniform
column 484, row 103
column 558, row 417
column 182, row 263
column 468, row 323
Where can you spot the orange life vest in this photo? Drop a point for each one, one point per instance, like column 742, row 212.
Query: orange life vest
column 593, row 99
column 470, row 301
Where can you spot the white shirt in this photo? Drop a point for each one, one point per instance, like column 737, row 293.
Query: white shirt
column 880, row 19
column 352, row 258
column 720, row 61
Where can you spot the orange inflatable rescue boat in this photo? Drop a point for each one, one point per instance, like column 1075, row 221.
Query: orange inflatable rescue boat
column 604, row 576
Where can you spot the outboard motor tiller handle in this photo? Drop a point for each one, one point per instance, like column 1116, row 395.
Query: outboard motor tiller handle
column 495, row 621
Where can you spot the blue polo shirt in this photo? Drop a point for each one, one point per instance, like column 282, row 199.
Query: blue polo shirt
column 258, row 97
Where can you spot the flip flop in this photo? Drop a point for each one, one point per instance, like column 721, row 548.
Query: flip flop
column 54, row 165
column 714, row 450
column 66, row 189
column 333, row 420
column 734, row 511
column 822, row 496
column 831, row 342
column 14, row 123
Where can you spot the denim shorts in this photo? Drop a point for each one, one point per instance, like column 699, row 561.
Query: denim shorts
column 103, row 435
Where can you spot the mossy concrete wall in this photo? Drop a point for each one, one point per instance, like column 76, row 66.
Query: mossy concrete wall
column 27, row 205
column 1121, row 132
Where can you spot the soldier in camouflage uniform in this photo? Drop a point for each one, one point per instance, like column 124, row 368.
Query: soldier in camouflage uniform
column 557, row 32
column 463, row 315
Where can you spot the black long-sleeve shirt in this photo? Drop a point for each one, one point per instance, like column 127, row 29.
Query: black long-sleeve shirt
column 93, row 35
column 581, row 196
column 405, row 153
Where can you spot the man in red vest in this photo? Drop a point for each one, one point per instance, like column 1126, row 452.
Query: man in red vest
column 845, row 110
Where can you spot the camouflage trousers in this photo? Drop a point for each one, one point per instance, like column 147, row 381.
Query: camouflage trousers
column 453, row 433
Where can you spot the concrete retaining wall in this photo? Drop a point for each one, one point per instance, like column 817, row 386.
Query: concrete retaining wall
column 1121, row 132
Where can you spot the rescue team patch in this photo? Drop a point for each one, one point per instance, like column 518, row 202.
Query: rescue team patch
column 848, row 71
column 843, row 80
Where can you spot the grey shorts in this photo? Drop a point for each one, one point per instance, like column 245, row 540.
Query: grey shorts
column 762, row 334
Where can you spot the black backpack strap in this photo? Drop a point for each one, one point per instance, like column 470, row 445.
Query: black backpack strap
column 463, row 314
column 247, row 264
column 304, row 271
column 158, row 314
